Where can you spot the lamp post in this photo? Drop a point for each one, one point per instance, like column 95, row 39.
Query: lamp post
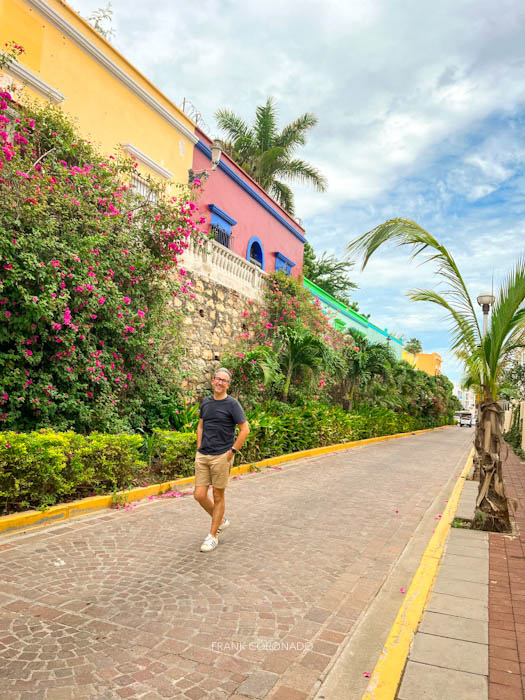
column 216, row 152
column 485, row 301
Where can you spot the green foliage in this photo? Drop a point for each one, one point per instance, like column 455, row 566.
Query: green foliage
column 513, row 380
column 414, row 346
column 172, row 454
column 43, row 468
column 330, row 274
column 256, row 375
column 87, row 341
column 268, row 155
column 278, row 428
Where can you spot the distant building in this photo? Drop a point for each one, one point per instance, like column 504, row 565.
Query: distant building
column 426, row 362
column 466, row 396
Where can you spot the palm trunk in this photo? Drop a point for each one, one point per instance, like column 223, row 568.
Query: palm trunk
column 287, row 382
column 491, row 507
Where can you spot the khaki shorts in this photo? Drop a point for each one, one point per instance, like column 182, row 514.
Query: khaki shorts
column 212, row 469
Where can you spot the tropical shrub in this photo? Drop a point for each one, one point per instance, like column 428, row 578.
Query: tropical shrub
column 172, row 454
column 42, row 468
column 86, row 268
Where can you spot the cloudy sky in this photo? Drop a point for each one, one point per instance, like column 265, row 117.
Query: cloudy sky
column 421, row 109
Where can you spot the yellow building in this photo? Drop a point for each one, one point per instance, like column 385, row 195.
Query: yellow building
column 67, row 62
column 426, row 362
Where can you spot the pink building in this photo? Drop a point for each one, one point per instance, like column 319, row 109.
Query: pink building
column 244, row 218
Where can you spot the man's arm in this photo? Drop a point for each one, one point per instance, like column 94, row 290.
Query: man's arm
column 199, row 433
column 244, row 431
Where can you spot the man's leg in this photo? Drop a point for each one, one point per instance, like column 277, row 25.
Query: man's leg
column 201, row 496
column 217, row 515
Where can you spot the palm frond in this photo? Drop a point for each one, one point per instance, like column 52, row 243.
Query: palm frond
column 301, row 171
column 229, row 122
column 283, row 195
column 265, row 126
column 405, row 232
column 293, row 133
column 462, row 329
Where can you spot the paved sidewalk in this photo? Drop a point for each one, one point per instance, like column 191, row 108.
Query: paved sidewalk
column 507, row 594
column 470, row 644
column 123, row 605
column 449, row 654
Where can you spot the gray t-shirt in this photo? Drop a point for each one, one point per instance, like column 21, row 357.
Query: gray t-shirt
column 219, row 419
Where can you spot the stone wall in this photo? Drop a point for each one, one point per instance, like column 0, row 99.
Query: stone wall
column 212, row 323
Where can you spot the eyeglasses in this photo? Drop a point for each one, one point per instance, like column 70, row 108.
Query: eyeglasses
column 224, row 381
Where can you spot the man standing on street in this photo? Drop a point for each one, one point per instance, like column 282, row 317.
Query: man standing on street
column 216, row 448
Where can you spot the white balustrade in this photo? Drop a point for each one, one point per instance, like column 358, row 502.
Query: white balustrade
column 220, row 264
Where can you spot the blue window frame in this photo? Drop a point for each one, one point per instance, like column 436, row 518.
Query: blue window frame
column 283, row 263
column 255, row 252
column 221, row 225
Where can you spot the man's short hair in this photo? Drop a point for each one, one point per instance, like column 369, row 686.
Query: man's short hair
column 223, row 369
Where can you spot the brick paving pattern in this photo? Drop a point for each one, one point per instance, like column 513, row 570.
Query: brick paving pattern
column 124, row 605
column 507, row 594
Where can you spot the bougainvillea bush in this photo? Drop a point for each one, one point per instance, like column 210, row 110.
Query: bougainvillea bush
column 86, row 266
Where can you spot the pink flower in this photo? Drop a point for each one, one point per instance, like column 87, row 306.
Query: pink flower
column 126, row 300
column 402, row 590
column 28, row 353
column 366, row 674
column 101, row 301
column 356, row 349
column 268, row 325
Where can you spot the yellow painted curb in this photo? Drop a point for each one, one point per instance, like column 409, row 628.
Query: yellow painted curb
column 386, row 676
column 65, row 511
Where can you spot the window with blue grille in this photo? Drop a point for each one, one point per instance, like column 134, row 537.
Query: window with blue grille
column 284, row 264
column 221, row 225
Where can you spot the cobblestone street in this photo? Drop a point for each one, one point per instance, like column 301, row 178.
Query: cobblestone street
column 124, row 605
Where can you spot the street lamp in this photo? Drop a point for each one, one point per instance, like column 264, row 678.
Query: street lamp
column 486, row 301
column 216, row 152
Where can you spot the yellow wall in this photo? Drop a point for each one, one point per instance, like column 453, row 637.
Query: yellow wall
column 429, row 363
column 108, row 112
column 408, row 357
column 426, row 362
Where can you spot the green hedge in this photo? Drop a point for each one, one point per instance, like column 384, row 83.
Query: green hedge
column 42, row 468
column 280, row 428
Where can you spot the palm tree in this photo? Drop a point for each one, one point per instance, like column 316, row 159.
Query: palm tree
column 485, row 357
column 365, row 365
column 300, row 351
column 267, row 154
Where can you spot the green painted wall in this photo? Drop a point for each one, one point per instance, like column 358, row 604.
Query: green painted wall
column 352, row 320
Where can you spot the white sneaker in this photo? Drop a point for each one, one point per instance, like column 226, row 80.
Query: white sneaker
column 210, row 542
column 224, row 525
